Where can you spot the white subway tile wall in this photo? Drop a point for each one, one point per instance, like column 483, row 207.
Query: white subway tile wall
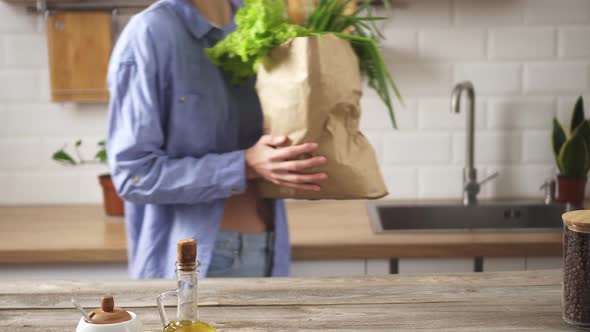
column 493, row 147
column 469, row 13
column 528, row 60
column 574, row 42
column 452, row 44
column 557, row 12
column 522, row 43
column 556, row 78
column 491, row 79
column 439, row 182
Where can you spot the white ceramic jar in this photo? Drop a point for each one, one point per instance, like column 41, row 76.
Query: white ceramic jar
column 133, row 325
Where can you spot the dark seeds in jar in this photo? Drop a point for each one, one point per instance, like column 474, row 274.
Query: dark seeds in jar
column 576, row 277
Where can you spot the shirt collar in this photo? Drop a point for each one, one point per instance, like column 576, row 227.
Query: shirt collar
column 195, row 22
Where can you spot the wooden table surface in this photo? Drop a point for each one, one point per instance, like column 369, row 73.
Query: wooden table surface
column 319, row 230
column 515, row 301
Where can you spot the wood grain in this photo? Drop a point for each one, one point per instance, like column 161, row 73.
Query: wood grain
column 79, row 47
column 310, row 291
column 515, row 301
column 319, row 230
column 60, row 234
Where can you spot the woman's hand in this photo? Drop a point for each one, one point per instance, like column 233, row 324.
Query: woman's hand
column 266, row 160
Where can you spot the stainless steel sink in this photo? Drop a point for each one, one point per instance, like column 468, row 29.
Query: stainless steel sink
column 436, row 216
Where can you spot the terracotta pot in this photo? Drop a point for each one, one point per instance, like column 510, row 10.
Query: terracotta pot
column 571, row 190
column 113, row 204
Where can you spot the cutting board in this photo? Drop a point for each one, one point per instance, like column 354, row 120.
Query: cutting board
column 79, row 45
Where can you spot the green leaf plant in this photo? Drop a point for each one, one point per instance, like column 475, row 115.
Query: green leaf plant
column 572, row 150
column 63, row 157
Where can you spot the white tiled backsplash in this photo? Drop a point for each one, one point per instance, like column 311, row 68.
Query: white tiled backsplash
column 528, row 60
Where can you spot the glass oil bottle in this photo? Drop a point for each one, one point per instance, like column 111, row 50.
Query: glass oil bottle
column 187, row 314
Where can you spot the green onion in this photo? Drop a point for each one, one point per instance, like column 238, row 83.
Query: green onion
column 329, row 17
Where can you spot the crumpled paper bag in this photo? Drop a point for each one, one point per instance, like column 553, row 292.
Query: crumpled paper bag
column 310, row 89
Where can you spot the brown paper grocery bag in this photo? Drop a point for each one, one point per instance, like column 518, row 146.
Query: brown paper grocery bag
column 310, row 90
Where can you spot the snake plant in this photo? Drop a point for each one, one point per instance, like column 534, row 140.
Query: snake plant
column 572, row 150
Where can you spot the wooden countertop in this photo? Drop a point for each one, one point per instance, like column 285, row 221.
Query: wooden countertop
column 514, row 301
column 319, row 230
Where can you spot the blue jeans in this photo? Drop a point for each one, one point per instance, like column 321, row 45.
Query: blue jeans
column 242, row 255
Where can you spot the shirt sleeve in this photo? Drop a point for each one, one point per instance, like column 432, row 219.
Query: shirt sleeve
column 141, row 169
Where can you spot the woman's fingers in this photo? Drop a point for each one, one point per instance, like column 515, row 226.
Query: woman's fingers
column 273, row 140
column 301, row 186
column 285, row 170
column 291, row 152
column 265, row 139
column 278, row 140
column 300, row 178
column 299, row 165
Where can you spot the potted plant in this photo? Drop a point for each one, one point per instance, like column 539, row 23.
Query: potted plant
column 572, row 156
column 113, row 204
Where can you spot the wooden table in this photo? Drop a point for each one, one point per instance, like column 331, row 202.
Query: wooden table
column 515, row 301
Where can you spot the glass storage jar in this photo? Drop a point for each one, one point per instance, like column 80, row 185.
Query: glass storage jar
column 576, row 268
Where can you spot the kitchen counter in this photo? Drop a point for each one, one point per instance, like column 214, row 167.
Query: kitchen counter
column 514, row 301
column 319, row 230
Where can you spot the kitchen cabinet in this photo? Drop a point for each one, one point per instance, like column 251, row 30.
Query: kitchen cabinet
column 377, row 266
column 345, row 267
column 494, row 264
column 299, row 268
column 95, row 271
column 435, row 265
column 544, row 263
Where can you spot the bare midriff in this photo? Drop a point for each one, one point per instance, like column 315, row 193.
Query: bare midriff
column 247, row 213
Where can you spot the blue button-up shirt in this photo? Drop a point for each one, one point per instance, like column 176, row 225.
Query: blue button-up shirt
column 176, row 139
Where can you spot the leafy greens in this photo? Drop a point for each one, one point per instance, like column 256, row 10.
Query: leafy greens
column 262, row 25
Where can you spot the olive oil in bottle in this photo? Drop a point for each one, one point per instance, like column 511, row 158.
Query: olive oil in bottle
column 187, row 314
column 188, row 326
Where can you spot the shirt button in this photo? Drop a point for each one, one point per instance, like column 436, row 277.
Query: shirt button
column 136, row 179
column 182, row 99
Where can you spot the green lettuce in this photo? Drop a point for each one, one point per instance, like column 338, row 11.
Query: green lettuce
column 261, row 25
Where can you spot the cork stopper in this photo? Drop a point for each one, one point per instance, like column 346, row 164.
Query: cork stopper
column 577, row 221
column 186, row 251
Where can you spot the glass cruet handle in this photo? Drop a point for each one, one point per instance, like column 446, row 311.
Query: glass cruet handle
column 161, row 308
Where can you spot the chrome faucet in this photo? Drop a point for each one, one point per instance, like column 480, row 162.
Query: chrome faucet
column 470, row 185
column 549, row 187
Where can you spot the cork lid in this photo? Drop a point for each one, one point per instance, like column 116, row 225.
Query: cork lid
column 186, row 251
column 108, row 313
column 577, row 221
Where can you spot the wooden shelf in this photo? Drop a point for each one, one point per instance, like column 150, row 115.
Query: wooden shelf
column 129, row 3
column 73, row 5
column 83, row 2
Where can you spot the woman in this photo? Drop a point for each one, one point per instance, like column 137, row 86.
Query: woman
column 184, row 146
